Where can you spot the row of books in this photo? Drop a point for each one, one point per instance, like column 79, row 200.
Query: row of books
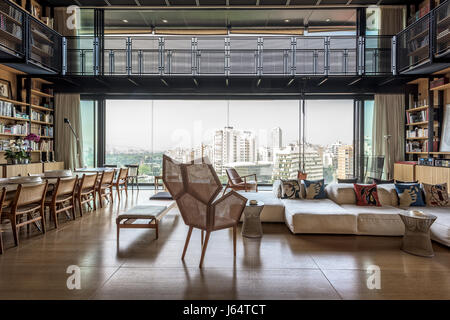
column 417, row 133
column 43, row 145
column 40, row 116
column 4, row 144
column 414, row 117
column 14, row 129
column 42, row 130
column 421, row 146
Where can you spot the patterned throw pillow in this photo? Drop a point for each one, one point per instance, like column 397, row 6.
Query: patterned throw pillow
column 366, row 195
column 436, row 195
column 290, row 189
column 315, row 189
column 410, row 195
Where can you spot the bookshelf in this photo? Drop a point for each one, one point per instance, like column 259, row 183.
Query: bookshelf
column 29, row 109
column 421, row 125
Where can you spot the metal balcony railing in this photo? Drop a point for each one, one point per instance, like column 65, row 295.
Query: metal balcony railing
column 441, row 20
column 424, row 40
column 24, row 38
column 228, row 56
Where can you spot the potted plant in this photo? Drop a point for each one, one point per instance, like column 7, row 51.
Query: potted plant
column 18, row 151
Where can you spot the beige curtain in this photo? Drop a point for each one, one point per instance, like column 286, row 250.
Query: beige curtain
column 389, row 120
column 68, row 106
column 392, row 20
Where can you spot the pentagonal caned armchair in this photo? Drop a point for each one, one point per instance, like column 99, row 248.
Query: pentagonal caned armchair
column 195, row 188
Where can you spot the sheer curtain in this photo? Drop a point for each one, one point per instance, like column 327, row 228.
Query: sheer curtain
column 388, row 136
column 68, row 106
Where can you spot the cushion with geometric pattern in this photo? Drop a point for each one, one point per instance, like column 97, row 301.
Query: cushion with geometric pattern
column 366, row 195
column 436, row 195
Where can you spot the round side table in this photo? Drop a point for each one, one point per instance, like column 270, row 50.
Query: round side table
column 417, row 233
column 252, row 227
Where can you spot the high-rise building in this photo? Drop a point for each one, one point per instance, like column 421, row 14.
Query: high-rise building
column 232, row 146
column 345, row 162
column 277, row 138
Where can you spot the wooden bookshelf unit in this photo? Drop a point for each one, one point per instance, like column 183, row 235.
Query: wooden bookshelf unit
column 30, row 109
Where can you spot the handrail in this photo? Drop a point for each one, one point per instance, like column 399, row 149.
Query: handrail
column 227, row 56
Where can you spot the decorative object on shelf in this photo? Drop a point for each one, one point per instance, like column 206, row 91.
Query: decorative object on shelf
column 442, row 163
column 5, row 89
column 426, row 161
column 17, row 153
column 445, row 139
column 438, row 82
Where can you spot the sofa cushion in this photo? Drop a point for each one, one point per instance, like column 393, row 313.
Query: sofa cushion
column 341, row 193
column 440, row 229
column 291, row 189
column 318, row 216
column 387, row 195
column 315, row 189
column 366, row 195
column 377, row 221
column 409, row 194
column 381, row 181
column 273, row 210
column 436, row 195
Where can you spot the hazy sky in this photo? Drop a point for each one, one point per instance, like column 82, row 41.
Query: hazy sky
column 185, row 123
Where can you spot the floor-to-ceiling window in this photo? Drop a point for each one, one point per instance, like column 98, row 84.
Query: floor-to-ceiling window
column 259, row 137
column 328, row 150
column 89, row 136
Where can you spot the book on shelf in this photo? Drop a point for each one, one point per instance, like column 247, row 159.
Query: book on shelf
column 14, row 129
column 420, row 116
column 417, row 133
column 40, row 116
column 421, row 146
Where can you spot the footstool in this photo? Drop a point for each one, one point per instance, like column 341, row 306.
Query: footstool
column 152, row 213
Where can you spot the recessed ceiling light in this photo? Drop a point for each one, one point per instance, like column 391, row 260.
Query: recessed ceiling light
column 126, row 21
column 164, row 20
column 287, row 20
column 328, row 20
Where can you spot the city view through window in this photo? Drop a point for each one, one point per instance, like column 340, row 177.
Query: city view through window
column 252, row 136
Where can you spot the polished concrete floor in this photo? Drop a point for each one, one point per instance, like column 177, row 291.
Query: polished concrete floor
column 278, row 266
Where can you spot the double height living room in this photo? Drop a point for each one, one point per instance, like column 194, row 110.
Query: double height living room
column 195, row 150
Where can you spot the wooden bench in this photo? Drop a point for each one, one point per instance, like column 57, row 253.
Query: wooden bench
column 153, row 213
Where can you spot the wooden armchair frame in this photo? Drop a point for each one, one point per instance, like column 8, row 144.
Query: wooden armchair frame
column 25, row 205
column 63, row 193
column 106, row 183
column 234, row 184
column 86, row 191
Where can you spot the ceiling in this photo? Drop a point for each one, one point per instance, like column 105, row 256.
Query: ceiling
column 223, row 18
column 225, row 3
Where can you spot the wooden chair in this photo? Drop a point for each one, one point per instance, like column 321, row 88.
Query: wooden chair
column 2, row 199
column 28, row 199
column 121, row 182
column 62, row 198
column 86, row 191
column 105, row 184
column 236, row 182
column 133, row 174
column 195, row 188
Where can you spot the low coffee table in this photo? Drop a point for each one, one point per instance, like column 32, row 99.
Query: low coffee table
column 417, row 233
column 252, row 227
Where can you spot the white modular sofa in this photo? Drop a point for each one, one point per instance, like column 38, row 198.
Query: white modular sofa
column 339, row 214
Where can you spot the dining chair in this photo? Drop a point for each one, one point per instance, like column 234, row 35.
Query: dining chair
column 62, row 198
column 133, row 174
column 105, row 186
column 237, row 182
column 86, row 191
column 28, row 200
column 195, row 188
column 2, row 199
column 121, row 182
